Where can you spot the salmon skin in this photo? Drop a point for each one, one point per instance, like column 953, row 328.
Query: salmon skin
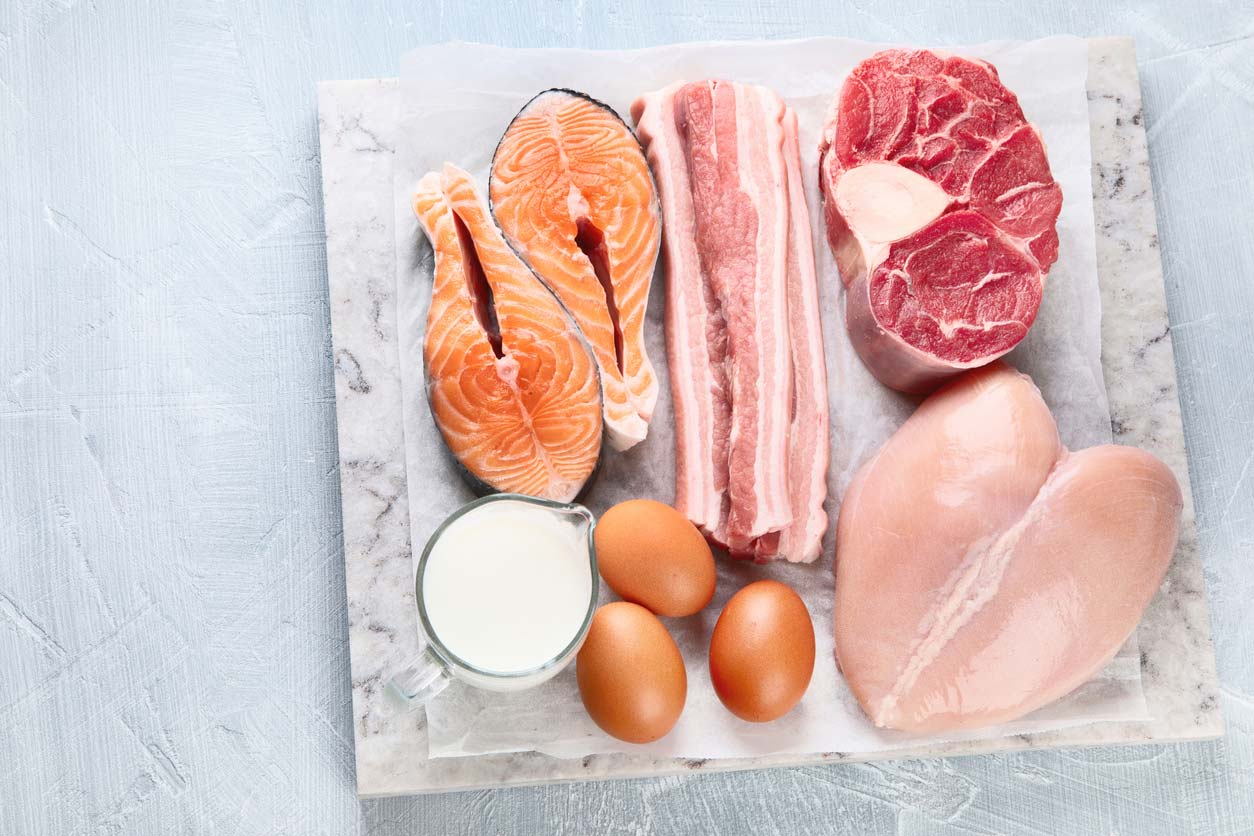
column 512, row 384
column 572, row 192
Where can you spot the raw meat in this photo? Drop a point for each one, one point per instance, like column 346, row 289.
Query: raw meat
column 512, row 384
column 940, row 210
column 802, row 539
column 571, row 190
column 742, row 325
column 982, row 570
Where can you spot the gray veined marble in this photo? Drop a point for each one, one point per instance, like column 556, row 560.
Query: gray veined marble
column 356, row 140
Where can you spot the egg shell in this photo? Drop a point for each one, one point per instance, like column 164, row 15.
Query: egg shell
column 631, row 674
column 762, row 652
column 650, row 554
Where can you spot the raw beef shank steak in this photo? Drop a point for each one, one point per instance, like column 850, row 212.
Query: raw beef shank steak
column 940, row 210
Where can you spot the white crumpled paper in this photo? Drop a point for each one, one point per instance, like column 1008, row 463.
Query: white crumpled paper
column 458, row 99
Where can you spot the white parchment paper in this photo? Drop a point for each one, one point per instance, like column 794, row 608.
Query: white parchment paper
column 457, row 101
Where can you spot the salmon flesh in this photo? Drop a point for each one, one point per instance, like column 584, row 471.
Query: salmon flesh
column 572, row 192
column 512, row 384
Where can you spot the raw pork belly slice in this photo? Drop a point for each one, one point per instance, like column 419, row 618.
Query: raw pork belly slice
column 940, row 210
column 743, row 335
column 982, row 570
column 513, row 386
column 571, row 190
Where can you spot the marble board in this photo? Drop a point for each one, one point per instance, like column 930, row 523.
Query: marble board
column 357, row 137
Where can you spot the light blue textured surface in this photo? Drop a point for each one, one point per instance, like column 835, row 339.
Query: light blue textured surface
column 172, row 625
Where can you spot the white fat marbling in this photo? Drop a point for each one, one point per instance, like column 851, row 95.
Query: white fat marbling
column 356, row 139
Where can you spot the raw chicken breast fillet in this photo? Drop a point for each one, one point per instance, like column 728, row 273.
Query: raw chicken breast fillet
column 982, row 570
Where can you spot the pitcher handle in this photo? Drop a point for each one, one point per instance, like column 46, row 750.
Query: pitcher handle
column 417, row 682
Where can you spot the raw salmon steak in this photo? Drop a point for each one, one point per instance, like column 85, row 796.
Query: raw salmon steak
column 512, row 384
column 572, row 192
column 982, row 570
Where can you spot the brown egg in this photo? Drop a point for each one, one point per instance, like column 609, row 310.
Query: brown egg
column 631, row 674
column 762, row 652
column 650, row 554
